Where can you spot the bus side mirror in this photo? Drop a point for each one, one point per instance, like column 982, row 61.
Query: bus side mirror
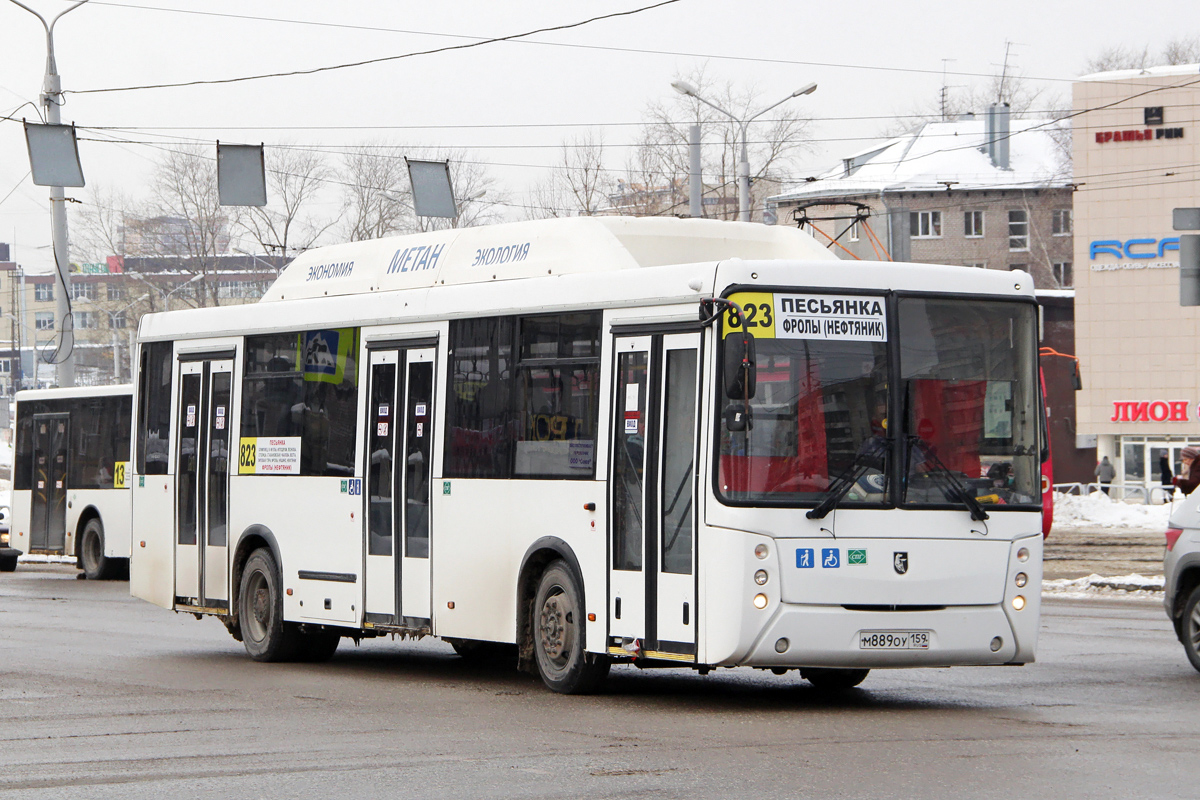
column 738, row 418
column 740, row 369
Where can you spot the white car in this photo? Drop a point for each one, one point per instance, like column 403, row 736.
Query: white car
column 1181, row 571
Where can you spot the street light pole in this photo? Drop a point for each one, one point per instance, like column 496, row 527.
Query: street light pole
column 743, row 169
column 52, row 99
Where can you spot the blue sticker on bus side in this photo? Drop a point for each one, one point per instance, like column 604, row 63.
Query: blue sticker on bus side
column 830, row 558
column 804, row 558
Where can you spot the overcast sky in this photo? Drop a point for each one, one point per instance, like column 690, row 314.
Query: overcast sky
column 871, row 59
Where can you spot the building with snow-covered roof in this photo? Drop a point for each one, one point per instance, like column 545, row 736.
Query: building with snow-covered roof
column 976, row 191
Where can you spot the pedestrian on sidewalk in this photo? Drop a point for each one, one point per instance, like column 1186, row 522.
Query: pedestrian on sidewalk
column 1166, row 477
column 1189, row 477
column 1105, row 472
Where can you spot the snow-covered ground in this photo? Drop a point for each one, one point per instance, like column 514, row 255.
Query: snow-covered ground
column 1123, row 587
column 1098, row 510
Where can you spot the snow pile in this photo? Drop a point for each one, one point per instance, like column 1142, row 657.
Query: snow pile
column 38, row 559
column 1124, row 587
column 1098, row 510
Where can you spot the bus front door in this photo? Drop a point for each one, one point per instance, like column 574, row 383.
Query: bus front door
column 652, row 496
column 396, row 496
column 48, row 513
column 202, row 487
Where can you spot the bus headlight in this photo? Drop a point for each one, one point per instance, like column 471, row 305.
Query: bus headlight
column 760, row 600
column 760, row 577
column 1018, row 602
column 1021, row 580
column 4, row 538
column 1023, row 554
column 761, row 550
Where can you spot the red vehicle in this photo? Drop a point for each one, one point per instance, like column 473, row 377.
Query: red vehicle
column 1047, row 466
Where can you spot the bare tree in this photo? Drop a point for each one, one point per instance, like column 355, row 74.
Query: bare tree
column 1184, row 50
column 1181, row 50
column 295, row 180
column 99, row 229
column 1118, row 57
column 377, row 200
column 187, row 218
column 579, row 185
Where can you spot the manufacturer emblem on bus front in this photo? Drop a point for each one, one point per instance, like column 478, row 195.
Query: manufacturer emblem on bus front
column 900, row 562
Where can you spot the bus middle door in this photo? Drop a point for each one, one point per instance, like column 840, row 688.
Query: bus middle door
column 202, row 487
column 652, row 497
column 397, row 492
column 48, row 511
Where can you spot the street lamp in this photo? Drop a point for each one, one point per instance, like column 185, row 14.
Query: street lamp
column 52, row 99
column 688, row 90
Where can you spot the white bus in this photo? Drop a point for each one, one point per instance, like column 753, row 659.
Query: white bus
column 70, row 493
column 555, row 435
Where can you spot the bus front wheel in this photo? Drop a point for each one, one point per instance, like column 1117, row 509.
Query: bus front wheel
column 558, row 635
column 91, row 559
column 260, row 611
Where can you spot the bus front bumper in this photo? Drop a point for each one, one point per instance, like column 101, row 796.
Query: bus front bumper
column 833, row 636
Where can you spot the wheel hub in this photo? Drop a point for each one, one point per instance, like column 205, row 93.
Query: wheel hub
column 553, row 628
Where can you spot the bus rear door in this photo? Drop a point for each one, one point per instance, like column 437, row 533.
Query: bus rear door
column 652, row 496
column 48, row 513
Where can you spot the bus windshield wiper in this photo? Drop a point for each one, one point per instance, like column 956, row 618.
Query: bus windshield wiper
column 946, row 478
column 833, row 494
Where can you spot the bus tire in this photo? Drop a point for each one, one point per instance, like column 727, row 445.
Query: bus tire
column 317, row 646
column 834, row 679
column 8, row 563
column 91, row 558
column 481, row 653
column 260, row 611
column 558, row 635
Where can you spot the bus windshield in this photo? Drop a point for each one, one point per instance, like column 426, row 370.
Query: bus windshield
column 819, row 413
column 971, row 417
column 818, row 427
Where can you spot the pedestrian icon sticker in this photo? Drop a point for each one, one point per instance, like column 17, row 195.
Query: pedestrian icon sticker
column 830, row 558
column 804, row 558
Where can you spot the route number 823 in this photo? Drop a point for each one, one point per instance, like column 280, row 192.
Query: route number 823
column 758, row 315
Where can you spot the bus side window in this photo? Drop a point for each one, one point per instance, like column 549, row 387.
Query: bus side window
column 154, row 408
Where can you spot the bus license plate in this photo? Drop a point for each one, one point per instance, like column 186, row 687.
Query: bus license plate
column 893, row 640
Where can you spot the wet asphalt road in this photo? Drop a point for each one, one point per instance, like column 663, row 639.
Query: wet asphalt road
column 105, row 696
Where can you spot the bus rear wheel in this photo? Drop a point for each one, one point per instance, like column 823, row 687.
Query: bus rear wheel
column 558, row 635
column 834, row 679
column 260, row 612
column 91, row 559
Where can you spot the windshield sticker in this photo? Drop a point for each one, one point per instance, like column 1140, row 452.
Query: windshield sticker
column 809, row 316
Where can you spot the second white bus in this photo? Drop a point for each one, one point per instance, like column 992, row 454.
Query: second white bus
column 70, row 492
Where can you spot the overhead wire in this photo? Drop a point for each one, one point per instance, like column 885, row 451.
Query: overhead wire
column 939, row 72
column 381, row 59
